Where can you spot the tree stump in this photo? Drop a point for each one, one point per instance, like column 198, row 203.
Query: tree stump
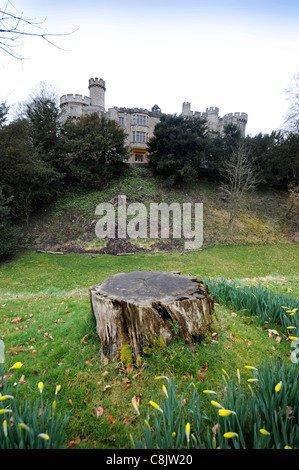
column 136, row 308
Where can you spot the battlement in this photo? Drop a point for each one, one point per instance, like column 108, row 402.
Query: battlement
column 212, row 110
column 96, row 82
column 236, row 116
column 78, row 99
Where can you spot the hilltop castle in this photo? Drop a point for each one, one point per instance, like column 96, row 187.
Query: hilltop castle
column 138, row 123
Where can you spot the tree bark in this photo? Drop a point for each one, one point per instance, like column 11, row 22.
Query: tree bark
column 136, row 308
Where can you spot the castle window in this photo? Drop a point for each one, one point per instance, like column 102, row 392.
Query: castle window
column 121, row 120
column 139, row 136
column 140, row 120
column 138, row 157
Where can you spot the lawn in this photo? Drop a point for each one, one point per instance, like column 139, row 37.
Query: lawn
column 47, row 325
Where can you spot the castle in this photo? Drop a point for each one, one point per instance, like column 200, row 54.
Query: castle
column 138, row 123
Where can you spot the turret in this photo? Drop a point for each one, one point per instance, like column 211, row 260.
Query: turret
column 97, row 90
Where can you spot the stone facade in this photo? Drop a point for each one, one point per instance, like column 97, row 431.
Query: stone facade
column 138, row 123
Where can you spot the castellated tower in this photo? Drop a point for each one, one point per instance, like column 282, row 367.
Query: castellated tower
column 97, row 90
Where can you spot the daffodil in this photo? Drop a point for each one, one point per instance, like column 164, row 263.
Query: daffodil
column 288, row 447
column 40, row 386
column 278, row 386
column 265, row 432
column 136, row 407
column 239, row 376
column 215, row 403
column 250, row 367
column 6, row 397
column 53, row 406
column 58, row 387
column 24, row 426
column 252, row 380
column 209, row 391
column 223, row 412
column 173, row 434
column 188, row 431
column 165, row 390
column 228, row 435
column 17, row 365
column 43, row 435
column 292, row 337
column 4, row 410
column 157, row 407
column 224, row 372
column 4, row 426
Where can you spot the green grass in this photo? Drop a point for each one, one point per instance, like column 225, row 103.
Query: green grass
column 46, row 323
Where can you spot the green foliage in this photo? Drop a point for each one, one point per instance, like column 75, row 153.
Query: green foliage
column 24, row 175
column 8, row 233
column 3, row 114
column 168, row 429
column 177, row 149
column 35, row 425
column 259, row 413
column 94, row 150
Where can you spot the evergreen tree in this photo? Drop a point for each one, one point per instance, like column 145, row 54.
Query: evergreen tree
column 177, row 151
column 8, row 234
column 94, row 150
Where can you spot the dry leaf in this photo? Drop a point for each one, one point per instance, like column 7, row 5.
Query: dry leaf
column 278, row 339
column 215, row 429
column 106, row 388
column 105, row 361
column 111, row 419
column 105, row 373
column 127, row 386
column 130, row 368
column 99, row 411
column 233, row 314
column 70, row 402
column 84, row 338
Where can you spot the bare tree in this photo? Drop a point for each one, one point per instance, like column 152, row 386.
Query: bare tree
column 14, row 27
column 292, row 93
column 240, row 177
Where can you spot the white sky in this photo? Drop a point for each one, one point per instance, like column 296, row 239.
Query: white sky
column 238, row 56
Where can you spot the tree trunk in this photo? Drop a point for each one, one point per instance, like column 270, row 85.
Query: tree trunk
column 135, row 308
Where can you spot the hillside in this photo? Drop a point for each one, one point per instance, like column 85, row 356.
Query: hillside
column 68, row 225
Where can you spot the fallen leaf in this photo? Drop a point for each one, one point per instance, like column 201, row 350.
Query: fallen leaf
column 111, row 419
column 106, row 388
column 130, row 368
column 99, row 411
column 278, row 339
column 215, row 429
column 233, row 314
column 127, row 386
column 70, row 402
column 84, row 338
column 105, row 361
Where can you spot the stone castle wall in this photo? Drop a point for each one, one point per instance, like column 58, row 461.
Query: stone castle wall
column 139, row 123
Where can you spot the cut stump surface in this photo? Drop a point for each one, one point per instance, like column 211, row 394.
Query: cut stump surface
column 136, row 308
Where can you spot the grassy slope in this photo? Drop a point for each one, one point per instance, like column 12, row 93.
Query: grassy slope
column 70, row 223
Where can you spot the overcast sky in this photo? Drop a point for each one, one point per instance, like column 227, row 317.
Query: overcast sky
column 237, row 55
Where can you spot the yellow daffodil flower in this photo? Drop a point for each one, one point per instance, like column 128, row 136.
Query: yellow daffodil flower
column 188, row 431
column 215, row 403
column 3, row 411
column 40, row 386
column 278, row 386
column 24, row 426
column 136, row 407
column 165, row 390
column 288, row 447
column 252, row 380
column 209, row 391
column 43, row 435
column 157, row 407
column 6, row 397
column 58, row 387
column 4, row 426
column 224, row 412
column 250, row 367
column 265, row 432
column 228, row 435
column 17, row 365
